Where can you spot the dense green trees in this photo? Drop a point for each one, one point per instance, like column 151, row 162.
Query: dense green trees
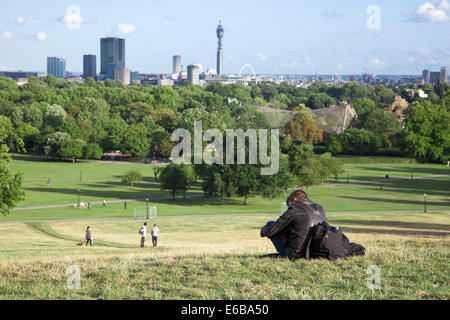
column 428, row 132
column 177, row 178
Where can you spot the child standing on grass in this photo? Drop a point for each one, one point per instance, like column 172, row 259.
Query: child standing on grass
column 88, row 236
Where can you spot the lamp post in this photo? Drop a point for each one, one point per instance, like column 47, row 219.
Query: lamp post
column 78, row 198
column 425, row 202
column 147, row 207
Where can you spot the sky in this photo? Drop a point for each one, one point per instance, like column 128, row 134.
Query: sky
column 274, row 36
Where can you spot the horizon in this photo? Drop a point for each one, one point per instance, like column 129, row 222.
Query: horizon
column 344, row 38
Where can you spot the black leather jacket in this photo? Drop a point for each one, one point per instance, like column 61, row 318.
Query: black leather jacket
column 294, row 225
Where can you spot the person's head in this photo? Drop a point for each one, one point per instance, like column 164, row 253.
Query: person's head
column 154, row 225
column 88, row 227
column 295, row 196
column 145, row 223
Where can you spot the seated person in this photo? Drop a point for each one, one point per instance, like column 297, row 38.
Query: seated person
column 289, row 232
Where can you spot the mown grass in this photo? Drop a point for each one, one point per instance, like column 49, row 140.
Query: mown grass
column 220, row 258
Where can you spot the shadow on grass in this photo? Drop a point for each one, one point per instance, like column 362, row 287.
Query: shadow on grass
column 398, row 224
column 396, row 232
column 418, row 203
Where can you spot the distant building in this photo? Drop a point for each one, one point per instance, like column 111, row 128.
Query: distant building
column 89, row 66
column 112, row 67
column 56, row 66
column 112, row 50
column 176, row 68
column 444, row 74
column 193, row 74
column 426, row 76
column 435, row 77
column 16, row 75
column 123, row 75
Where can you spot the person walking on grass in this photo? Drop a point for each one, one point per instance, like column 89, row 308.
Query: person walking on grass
column 143, row 233
column 155, row 233
column 88, row 236
column 49, row 182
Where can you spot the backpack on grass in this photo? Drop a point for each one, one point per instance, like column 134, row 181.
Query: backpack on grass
column 330, row 243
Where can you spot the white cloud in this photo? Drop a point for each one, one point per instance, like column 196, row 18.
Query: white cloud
column 375, row 62
column 444, row 5
column 6, row 35
column 429, row 13
column 40, row 36
column 125, row 28
column 261, row 57
column 22, row 20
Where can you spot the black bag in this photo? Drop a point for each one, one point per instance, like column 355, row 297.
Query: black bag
column 330, row 243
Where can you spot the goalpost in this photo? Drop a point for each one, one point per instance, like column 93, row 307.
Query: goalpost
column 145, row 212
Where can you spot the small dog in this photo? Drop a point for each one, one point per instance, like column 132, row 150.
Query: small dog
column 80, row 244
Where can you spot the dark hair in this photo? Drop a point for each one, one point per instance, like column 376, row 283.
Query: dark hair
column 294, row 196
column 145, row 223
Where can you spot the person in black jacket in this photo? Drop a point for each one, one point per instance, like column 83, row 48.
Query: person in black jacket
column 290, row 232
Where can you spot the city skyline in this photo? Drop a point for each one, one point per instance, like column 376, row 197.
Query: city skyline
column 289, row 38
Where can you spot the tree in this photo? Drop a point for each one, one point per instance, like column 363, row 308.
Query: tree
column 379, row 121
column 364, row 105
column 135, row 140
column 132, row 176
column 72, row 149
column 320, row 100
column 428, row 132
column 303, row 129
column 243, row 180
column 93, row 151
column 177, row 177
column 359, row 142
column 10, row 184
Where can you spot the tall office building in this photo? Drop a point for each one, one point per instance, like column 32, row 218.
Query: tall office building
column 89, row 66
column 112, row 50
column 220, row 32
column 176, row 65
column 193, row 74
column 444, row 74
column 435, row 77
column 112, row 67
column 426, row 75
column 56, row 66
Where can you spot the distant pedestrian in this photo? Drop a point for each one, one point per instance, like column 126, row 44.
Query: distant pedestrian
column 125, row 205
column 155, row 233
column 89, row 206
column 49, row 182
column 88, row 236
column 104, row 203
column 143, row 233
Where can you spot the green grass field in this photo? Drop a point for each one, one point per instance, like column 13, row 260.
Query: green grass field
column 206, row 252
column 219, row 257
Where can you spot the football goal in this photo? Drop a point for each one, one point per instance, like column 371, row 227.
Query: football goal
column 145, row 212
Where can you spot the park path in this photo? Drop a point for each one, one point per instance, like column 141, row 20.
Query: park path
column 213, row 215
column 110, row 201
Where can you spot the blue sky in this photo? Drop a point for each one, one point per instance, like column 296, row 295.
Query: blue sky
column 283, row 36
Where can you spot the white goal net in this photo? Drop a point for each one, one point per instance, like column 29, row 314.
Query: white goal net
column 145, row 212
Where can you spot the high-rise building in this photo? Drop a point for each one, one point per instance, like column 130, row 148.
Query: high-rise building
column 176, row 65
column 435, row 77
column 193, row 74
column 444, row 74
column 112, row 50
column 426, row 75
column 220, row 32
column 89, row 66
column 56, row 66
column 123, row 75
